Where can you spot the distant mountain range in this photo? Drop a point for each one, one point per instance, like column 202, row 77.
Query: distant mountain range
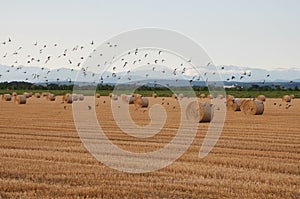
column 47, row 75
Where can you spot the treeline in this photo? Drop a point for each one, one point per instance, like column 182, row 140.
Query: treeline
column 52, row 86
column 31, row 86
column 255, row 87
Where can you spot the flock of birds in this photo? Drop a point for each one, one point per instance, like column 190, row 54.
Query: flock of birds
column 41, row 59
column 75, row 63
column 152, row 59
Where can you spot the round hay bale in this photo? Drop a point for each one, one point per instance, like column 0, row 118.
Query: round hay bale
column 202, row 96
column 45, row 94
column 14, row 94
column 199, row 112
column 154, row 95
column 253, row 107
column 6, row 97
column 127, row 98
column 68, row 98
column 141, row 102
column 261, row 98
column 124, row 97
column 114, row 97
column 174, row 96
column 292, row 96
column 20, row 99
column 136, row 95
column 236, row 106
column 26, row 94
column 74, row 97
column 81, row 97
column 210, row 96
column 131, row 100
column 229, row 97
column 97, row 95
column 65, row 97
column 51, row 97
column 37, row 95
column 229, row 102
column 180, row 96
column 243, row 102
column 286, row 98
column 220, row 97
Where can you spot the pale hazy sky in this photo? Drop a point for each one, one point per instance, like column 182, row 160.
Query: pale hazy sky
column 254, row 33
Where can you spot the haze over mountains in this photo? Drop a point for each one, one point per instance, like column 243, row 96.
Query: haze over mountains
column 43, row 75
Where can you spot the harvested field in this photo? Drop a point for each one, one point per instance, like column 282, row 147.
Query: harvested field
column 42, row 156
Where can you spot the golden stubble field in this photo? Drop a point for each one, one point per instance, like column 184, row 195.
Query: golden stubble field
column 42, row 156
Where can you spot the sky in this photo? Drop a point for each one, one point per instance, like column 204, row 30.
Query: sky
column 257, row 33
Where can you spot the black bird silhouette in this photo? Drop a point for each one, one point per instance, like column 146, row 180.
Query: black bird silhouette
column 48, row 59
